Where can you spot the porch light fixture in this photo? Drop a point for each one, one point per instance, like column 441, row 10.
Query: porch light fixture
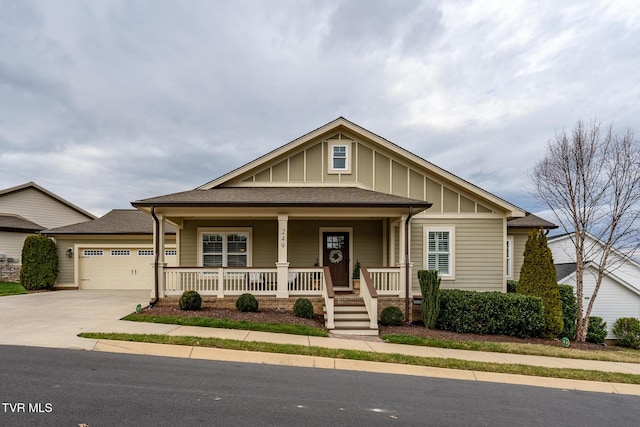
column 69, row 252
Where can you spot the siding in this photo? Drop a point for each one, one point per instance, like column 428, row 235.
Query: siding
column 479, row 253
column 11, row 244
column 519, row 241
column 40, row 208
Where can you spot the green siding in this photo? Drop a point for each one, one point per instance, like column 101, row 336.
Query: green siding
column 466, row 205
column 382, row 178
column 416, row 187
column 434, row 195
column 314, row 163
column 479, row 253
column 296, row 168
column 399, row 179
column 279, row 172
column 365, row 165
column 450, row 201
column 264, row 176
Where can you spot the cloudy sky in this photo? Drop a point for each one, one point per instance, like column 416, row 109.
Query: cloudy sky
column 107, row 102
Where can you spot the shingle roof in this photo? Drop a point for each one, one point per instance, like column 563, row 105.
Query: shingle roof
column 12, row 222
column 35, row 186
column 530, row 221
column 283, row 196
column 118, row 221
column 563, row 270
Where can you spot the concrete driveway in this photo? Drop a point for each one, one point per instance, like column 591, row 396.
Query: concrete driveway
column 54, row 319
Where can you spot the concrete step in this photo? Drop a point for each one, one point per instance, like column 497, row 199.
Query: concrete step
column 350, row 315
column 354, row 331
column 351, row 323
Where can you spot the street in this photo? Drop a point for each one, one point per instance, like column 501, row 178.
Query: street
column 42, row 386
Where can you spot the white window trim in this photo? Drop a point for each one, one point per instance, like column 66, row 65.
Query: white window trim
column 347, row 168
column 225, row 230
column 509, row 259
column 452, row 248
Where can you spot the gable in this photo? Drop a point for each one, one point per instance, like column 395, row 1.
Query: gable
column 372, row 163
column 41, row 207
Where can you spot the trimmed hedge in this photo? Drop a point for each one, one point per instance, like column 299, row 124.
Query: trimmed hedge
column 39, row 268
column 247, row 303
column 493, row 313
column 627, row 331
column 303, row 308
column 190, row 300
column 391, row 316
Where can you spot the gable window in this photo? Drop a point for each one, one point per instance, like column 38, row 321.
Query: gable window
column 439, row 248
column 509, row 257
column 339, row 161
column 224, row 248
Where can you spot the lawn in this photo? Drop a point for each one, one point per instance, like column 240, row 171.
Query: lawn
column 11, row 288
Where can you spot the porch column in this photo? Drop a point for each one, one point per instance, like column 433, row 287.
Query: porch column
column 283, row 264
column 160, row 239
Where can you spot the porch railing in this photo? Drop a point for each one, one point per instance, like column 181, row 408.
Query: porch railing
column 385, row 280
column 370, row 297
column 236, row 281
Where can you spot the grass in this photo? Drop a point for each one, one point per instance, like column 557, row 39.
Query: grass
column 574, row 374
column 11, row 288
column 622, row 355
column 280, row 328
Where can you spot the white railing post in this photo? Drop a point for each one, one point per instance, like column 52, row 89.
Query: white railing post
column 220, row 283
column 403, row 278
column 282, row 290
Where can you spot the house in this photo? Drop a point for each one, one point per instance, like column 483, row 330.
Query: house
column 295, row 221
column 619, row 293
column 25, row 210
column 111, row 252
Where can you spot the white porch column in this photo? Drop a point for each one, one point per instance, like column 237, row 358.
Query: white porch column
column 283, row 264
column 160, row 239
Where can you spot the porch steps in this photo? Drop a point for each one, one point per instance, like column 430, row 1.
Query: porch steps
column 351, row 317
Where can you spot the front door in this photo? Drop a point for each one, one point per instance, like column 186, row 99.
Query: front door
column 335, row 255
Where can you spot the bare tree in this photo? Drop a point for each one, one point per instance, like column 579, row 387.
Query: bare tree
column 590, row 179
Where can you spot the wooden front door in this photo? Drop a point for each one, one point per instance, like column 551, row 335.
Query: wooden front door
column 335, row 255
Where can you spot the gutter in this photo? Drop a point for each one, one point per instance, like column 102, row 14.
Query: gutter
column 156, row 257
column 407, row 277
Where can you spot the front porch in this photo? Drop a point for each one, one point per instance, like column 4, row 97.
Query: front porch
column 353, row 311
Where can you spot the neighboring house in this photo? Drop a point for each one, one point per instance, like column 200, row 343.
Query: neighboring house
column 28, row 209
column 294, row 221
column 619, row 293
column 112, row 252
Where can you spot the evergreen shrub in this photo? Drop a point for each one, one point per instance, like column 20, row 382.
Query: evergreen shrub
column 247, row 302
column 39, row 268
column 430, row 289
column 493, row 313
column 190, row 300
column 303, row 308
column 569, row 311
column 627, row 331
column 391, row 316
column 597, row 331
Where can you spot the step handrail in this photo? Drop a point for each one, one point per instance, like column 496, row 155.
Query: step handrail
column 329, row 298
column 370, row 297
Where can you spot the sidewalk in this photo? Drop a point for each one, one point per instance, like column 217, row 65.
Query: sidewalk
column 368, row 344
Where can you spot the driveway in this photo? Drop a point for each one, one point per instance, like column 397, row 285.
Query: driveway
column 54, row 319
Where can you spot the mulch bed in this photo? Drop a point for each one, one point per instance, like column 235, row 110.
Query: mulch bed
column 275, row 316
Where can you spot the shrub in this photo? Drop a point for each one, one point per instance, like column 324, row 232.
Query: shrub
column 569, row 311
column 391, row 316
column 538, row 278
column 597, row 331
column 490, row 313
column 430, row 289
column 190, row 300
column 511, row 286
column 39, row 268
column 247, row 302
column 303, row 308
column 627, row 331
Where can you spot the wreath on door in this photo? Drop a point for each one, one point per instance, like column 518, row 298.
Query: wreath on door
column 335, row 256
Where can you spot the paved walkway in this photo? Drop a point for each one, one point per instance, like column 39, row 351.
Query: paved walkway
column 54, row 319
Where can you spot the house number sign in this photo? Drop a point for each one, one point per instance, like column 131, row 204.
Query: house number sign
column 283, row 238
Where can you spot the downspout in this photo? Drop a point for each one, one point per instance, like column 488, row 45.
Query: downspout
column 156, row 252
column 407, row 277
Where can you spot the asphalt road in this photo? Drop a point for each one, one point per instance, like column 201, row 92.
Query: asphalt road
column 56, row 387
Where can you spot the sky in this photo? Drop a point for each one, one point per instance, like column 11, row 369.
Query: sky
column 110, row 101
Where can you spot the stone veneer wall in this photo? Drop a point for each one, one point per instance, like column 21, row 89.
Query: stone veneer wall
column 10, row 273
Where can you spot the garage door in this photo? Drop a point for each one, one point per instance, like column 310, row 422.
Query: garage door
column 118, row 268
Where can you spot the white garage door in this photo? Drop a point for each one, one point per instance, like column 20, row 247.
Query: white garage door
column 118, row 268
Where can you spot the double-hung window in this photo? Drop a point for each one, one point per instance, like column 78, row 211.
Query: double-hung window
column 221, row 248
column 439, row 244
column 339, row 161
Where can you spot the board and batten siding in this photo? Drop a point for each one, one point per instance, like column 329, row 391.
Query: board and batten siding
column 371, row 166
column 479, row 252
column 40, row 208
